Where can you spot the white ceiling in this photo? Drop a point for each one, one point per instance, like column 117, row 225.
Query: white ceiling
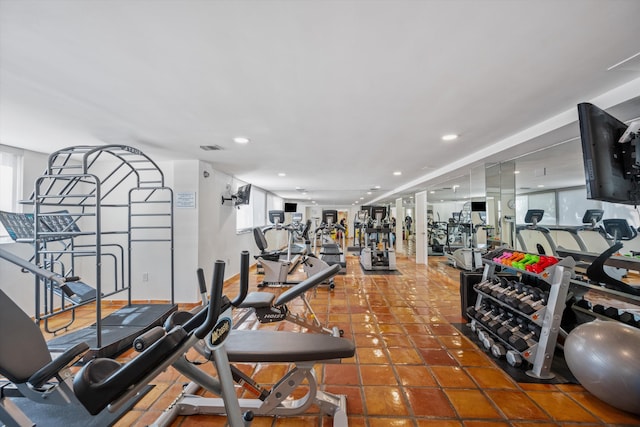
column 336, row 94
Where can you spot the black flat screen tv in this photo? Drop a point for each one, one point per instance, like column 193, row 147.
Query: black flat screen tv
column 609, row 165
column 478, row 206
column 290, row 207
column 243, row 195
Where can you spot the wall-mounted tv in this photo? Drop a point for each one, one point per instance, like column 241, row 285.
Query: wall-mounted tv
column 610, row 166
column 243, row 195
column 291, row 207
column 478, row 206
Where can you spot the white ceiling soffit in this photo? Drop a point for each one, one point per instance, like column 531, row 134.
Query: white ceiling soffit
column 336, row 95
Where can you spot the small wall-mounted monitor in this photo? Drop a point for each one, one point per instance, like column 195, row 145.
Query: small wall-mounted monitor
column 243, row 195
column 478, row 206
column 290, row 207
column 330, row 216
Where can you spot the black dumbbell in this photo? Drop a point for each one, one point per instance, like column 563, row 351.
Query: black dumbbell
column 471, row 311
column 612, row 313
column 538, row 300
column 514, row 325
column 584, row 304
column 495, row 323
column 514, row 299
column 629, row 319
column 522, row 341
column 513, row 358
column 599, row 308
column 513, row 289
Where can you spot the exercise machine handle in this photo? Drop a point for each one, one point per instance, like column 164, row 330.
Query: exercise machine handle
column 201, row 282
column 145, row 340
column 215, row 301
column 244, row 279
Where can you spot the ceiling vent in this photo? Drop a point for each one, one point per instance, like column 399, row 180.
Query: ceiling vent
column 211, row 147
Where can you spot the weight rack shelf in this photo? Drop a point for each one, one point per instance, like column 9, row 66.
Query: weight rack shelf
column 557, row 276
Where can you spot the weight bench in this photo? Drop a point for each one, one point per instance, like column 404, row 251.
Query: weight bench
column 302, row 350
column 270, row 309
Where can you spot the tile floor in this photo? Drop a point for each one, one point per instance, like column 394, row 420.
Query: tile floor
column 411, row 368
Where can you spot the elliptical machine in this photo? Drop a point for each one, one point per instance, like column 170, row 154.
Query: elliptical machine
column 377, row 232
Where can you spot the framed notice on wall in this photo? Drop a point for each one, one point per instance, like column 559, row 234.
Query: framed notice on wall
column 186, row 199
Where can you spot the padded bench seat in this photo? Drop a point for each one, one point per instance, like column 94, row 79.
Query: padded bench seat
column 285, row 347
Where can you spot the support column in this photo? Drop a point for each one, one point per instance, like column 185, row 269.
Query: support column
column 421, row 227
column 399, row 222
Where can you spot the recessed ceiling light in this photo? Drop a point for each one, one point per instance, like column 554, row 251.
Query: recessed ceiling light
column 516, row 172
column 411, row 197
column 397, row 173
column 304, row 193
column 540, row 185
column 432, row 192
column 377, row 187
column 241, row 140
column 361, row 198
column 357, row 201
column 368, row 192
column 449, row 137
column 282, row 174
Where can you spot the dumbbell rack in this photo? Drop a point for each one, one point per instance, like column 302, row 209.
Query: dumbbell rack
column 540, row 354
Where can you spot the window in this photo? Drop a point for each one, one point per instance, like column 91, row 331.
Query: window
column 10, row 181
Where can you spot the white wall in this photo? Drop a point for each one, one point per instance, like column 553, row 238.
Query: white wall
column 20, row 286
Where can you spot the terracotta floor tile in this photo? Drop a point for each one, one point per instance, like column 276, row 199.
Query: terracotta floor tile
column 538, row 387
column 429, row 402
column 437, row 357
column 397, row 341
column 438, row 423
column 364, row 328
column 452, row 376
column 375, row 356
column 300, row 421
column 425, row 342
column 368, row 340
column 604, row 411
column 571, row 388
column 419, row 376
column 404, row 356
column 455, row 342
column 516, row 405
column 416, row 329
column 378, row 375
column 468, row 357
column 472, row 423
column 527, row 424
column 490, row 378
column 341, row 374
column 472, row 404
column 389, row 422
column 355, row 402
column 443, row 329
column 383, row 400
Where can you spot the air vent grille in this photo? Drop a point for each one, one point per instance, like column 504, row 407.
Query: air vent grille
column 211, row 147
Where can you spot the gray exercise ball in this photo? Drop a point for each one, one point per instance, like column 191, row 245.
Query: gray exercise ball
column 605, row 357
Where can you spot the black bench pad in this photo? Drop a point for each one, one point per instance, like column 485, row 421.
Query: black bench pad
column 258, row 300
column 286, row 347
